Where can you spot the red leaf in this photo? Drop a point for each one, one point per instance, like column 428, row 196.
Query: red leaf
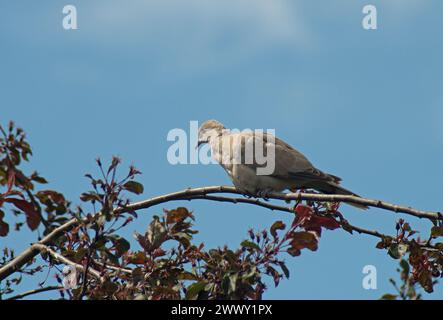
column 304, row 239
column 32, row 215
column 11, row 180
column 303, row 211
column 326, row 222
column 4, row 227
column 307, row 219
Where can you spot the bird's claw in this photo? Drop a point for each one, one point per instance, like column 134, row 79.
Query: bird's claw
column 264, row 194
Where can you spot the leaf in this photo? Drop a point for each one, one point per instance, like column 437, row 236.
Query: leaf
column 284, row 269
column 144, row 243
column 137, row 258
column 156, row 233
column 326, row 222
column 177, row 215
column 275, row 275
column 304, row 239
column 37, row 178
column 303, row 211
column 425, row 280
column 278, row 225
column 114, row 163
column 55, row 196
column 436, row 232
column 32, row 215
column 11, row 180
column 90, row 196
column 389, row 296
column 109, row 287
column 4, row 227
column 137, row 274
column 121, row 244
column 194, row 289
column 405, row 266
column 183, row 238
column 186, row 275
column 293, row 252
column 397, row 250
column 134, row 187
column 249, row 244
column 233, row 282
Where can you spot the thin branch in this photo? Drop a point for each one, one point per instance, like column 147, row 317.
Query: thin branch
column 202, row 193
column 346, row 227
column 288, row 197
column 35, row 291
column 45, row 249
column 113, row 268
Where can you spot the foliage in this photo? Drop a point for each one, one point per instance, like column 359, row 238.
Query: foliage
column 164, row 262
column 408, row 289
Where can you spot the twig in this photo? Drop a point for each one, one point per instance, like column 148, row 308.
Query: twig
column 35, row 291
column 42, row 248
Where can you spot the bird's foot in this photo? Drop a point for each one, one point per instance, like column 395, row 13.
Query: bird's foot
column 264, row 194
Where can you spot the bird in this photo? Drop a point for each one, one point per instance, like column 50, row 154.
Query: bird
column 292, row 170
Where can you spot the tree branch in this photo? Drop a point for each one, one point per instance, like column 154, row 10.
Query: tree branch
column 42, row 248
column 35, row 291
column 205, row 193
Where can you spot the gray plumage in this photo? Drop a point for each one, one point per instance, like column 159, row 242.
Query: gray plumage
column 292, row 169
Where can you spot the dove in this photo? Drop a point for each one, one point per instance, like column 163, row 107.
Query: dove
column 236, row 152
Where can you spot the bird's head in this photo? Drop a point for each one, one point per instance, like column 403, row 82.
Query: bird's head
column 208, row 130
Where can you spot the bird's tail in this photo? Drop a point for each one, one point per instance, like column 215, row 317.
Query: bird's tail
column 328, row 187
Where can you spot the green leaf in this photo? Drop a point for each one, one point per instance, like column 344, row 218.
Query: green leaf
column 156, row 233
column 397, row 250
column 134, row 187
column 194, row 289
column 233, row 282
column 436, row 232
column 405, row 266
column 250, row 244
column 121, row 244
column 186, row 275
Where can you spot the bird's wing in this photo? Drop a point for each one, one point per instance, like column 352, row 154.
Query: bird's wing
column 290, row 164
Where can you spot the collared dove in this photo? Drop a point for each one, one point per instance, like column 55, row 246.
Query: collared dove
column 291, row 169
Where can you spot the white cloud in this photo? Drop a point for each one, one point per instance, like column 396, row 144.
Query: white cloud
column 196, row 34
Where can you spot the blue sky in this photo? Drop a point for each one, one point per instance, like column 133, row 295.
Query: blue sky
column 364, row 105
